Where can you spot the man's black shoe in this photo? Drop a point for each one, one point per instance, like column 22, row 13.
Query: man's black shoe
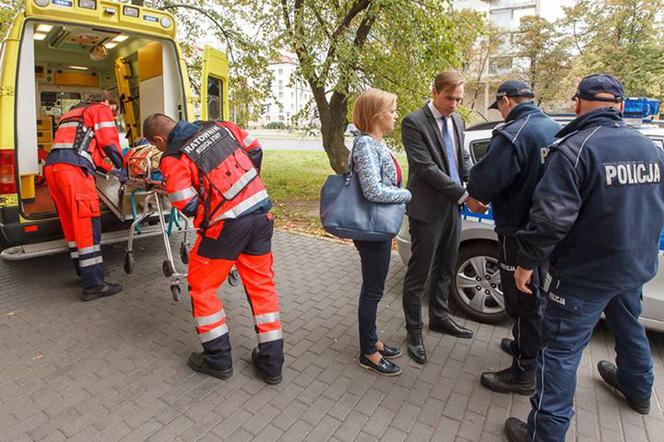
column 506, row 346
column 609, row 372
column 272, row 380
column 504, row 381
column 198, row 362
column 416, row 349
column 390, row 352
column 516, row 430
column 105, row 289
column 448, row 326
column 384, row 367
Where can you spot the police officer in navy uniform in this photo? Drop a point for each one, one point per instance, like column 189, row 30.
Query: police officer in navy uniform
column 597, row 216
column 507, row 177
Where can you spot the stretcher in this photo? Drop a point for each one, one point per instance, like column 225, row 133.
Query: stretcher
column 147, row 199
column 154, row 204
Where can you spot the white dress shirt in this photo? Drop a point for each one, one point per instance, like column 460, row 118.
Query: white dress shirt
column 450, row 124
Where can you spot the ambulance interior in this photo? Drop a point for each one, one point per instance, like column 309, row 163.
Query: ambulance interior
column 60, row 65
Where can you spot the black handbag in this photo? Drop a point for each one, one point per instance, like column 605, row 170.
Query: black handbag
column 345, row 212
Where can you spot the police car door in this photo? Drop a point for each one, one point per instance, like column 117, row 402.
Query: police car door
column 214, row 85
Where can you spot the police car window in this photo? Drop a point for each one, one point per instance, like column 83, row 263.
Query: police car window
column 478, row 149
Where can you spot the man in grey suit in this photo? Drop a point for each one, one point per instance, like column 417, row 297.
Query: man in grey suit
column 438, row 164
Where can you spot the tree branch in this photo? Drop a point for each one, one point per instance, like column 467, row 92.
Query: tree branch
column 214, row 20
column 358, row 6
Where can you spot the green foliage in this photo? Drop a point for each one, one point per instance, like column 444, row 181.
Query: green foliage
column 344, row 46
column 226, row 21
column 276, row 125
column 624, row 38
column 8, row 9
column 546, row 57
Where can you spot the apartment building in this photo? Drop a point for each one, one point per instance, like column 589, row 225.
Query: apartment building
column 289, row 95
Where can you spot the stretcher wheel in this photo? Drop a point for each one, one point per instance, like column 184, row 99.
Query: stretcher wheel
column 176, row 292
column 167, row 268
column 184, row 253
column 233, row 278
column 129, row 262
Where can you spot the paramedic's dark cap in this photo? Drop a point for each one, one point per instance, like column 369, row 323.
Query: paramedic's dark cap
column 512, row 88
column 592, row 85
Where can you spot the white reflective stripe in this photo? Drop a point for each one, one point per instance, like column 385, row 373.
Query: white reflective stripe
column 248, row 140
column 240, row 184
column 209, row 319
column 104, row 124
column 74, row 255
column 547, row 282
column 266, row 318
column 270, row 336
column 90, row 261
column 220, row 330
column 182, row 195
column 86, row 250
column 69, row 124
column 62, row 146
column 243, row 206
column 85, row 154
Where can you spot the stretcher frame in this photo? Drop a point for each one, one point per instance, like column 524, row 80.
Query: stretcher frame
column 153, row 204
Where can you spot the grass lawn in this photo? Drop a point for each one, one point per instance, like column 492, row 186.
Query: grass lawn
column 293, row 180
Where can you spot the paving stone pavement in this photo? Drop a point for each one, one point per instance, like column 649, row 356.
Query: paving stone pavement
column 114, row 369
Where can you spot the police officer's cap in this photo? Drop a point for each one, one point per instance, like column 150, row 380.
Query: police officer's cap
column 595, row 84
column 512, row 88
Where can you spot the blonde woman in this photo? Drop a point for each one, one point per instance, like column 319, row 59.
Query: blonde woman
column 379, row 174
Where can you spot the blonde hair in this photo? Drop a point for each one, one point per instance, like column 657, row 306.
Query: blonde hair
column 370, row 105
column 448, row 78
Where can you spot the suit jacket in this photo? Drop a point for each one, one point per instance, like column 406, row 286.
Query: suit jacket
column 429, row 182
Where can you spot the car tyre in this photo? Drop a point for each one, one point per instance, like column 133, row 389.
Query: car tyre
column 480, row 299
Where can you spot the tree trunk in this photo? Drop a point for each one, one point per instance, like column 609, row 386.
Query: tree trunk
column 332, row 126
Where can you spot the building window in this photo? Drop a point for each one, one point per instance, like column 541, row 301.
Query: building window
column 281, row 72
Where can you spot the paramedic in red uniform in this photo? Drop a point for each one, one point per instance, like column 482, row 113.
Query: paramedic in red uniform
column 85, row 137
column 211, row 172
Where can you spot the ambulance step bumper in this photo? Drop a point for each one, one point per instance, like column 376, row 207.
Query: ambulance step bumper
column 28, row 251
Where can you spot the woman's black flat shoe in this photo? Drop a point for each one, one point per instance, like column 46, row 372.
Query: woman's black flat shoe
column 390, row 352
column 385, row 367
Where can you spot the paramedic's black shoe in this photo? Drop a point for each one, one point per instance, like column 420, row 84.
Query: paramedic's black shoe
column 100, row 291
column 504, row 381
column 198, row 362
column 269, row 379
column 506, row 346
column 609, row 373
column 516, row 430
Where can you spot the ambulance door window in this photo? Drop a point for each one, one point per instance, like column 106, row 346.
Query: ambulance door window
column 215, row 99
column 478, row 149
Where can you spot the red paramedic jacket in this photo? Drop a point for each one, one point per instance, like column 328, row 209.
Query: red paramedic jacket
column 103, row 142
column 232, row 189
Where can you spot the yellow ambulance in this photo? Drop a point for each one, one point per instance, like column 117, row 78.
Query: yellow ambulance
column 55, row 54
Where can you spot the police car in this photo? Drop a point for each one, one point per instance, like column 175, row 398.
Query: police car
column 483, row 301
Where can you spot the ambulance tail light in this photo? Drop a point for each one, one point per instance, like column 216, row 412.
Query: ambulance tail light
column 7, row 175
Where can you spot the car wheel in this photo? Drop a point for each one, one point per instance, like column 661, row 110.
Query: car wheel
column 477, row 289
